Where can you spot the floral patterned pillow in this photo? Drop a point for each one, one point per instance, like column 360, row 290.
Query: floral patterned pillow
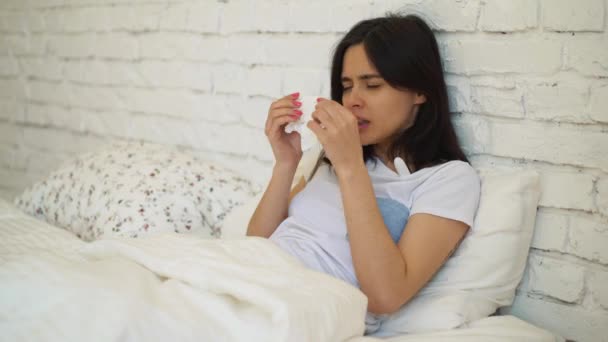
column 134, row 189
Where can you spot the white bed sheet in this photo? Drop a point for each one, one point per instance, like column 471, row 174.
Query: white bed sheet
column 54, row 286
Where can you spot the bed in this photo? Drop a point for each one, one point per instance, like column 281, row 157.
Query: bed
column 192, row 286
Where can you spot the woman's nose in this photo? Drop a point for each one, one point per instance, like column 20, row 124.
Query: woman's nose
column 352, row 99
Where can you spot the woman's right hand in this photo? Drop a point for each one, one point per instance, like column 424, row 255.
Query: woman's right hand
column 286, row 148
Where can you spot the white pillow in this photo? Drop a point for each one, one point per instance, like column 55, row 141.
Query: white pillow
column 485, row 270
column 135, row 189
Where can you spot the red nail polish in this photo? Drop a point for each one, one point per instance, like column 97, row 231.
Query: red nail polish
column 298, row 112
column 295, row 95
column 297, row 103
column 319, row 99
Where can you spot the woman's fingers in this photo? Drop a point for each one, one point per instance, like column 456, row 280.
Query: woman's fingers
column 278, row 113
column 289, row 101
column 276, row 124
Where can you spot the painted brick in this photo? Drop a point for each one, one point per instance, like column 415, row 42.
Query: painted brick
column 255, row 112
column 263, row 81
column 34, row 22
column 7, row 155
column 55, row 20
column 175, row 74
column 81, row 45
column 20, row 45
column 45, row 115
column 440, row 14
column 216, row 49
column 346, row 15
column 48, row 68
column 49, row 92
column 84, row 19
column 8, row 66
column 175, row 17
column 550, row 231
column 599, row 287
column 459, row 93
column 571, row 322
column 243, row 49
column 273, row 16
column 236, row 17
column 11, row 110
column 473, row 133
column 498, row 102
column 168, row 45
column 194, row 17
column 566, row 15
column 94, row 97
column 163, row 130
column 309, row 17
column 220, row 108
column 472, row 57
column 12, row 88
column 42, row 162
column 116, row 124
column 144, row 17
column 584, row 55
column 204, row 17
column 599, row 102
column 602, row 195
column 59, row 140
column 546, row 142
column 15, row 180
column 228, row 78
column 508, row 16
column 103, row 72
column 568, row 190
column 12, row 22
column 559, row 100
column 175, row 103
column 305, row 81
column 10, row 133
column 555, row 278
column 300, row 50
column 588, row 238
column 116, row 45
column 8, row 194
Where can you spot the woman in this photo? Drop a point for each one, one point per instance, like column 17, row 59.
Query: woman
column 393, row 194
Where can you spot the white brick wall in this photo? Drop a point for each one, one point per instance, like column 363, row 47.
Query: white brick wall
column 528, row 81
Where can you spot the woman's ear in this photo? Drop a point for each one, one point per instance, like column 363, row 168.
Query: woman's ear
column 420, row 99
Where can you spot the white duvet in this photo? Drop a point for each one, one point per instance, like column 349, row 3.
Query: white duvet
column 54, row 287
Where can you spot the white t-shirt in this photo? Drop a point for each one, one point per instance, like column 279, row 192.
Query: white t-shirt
column 315, row 230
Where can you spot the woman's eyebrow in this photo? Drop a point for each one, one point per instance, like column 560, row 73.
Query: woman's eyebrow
column 361, row 77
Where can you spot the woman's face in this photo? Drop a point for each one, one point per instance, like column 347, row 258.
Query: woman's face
column 383, row 111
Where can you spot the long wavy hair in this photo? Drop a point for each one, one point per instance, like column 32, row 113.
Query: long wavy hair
column 404, row 51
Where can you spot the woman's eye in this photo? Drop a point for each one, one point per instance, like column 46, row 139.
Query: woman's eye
column 345, row 88
column 373, row 86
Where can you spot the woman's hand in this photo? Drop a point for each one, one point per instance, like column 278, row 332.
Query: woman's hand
column 286, row 148
column 338, row 131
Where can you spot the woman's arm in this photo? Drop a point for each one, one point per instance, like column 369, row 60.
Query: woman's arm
column 272, row 209
column 390, row 274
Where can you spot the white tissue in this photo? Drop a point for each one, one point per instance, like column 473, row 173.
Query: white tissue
column 308, row 137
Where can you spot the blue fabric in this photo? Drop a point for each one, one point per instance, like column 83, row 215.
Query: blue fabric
column 395, row 216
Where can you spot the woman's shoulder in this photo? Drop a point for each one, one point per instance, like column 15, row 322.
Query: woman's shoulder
column 452, row 171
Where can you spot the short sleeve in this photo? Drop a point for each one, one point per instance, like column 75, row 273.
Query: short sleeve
column 452, row 192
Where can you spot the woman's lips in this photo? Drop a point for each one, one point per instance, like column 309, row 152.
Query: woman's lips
column 363, row 123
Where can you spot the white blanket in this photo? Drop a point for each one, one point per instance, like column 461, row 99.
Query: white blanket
column 172, row 287
column 54, row 287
